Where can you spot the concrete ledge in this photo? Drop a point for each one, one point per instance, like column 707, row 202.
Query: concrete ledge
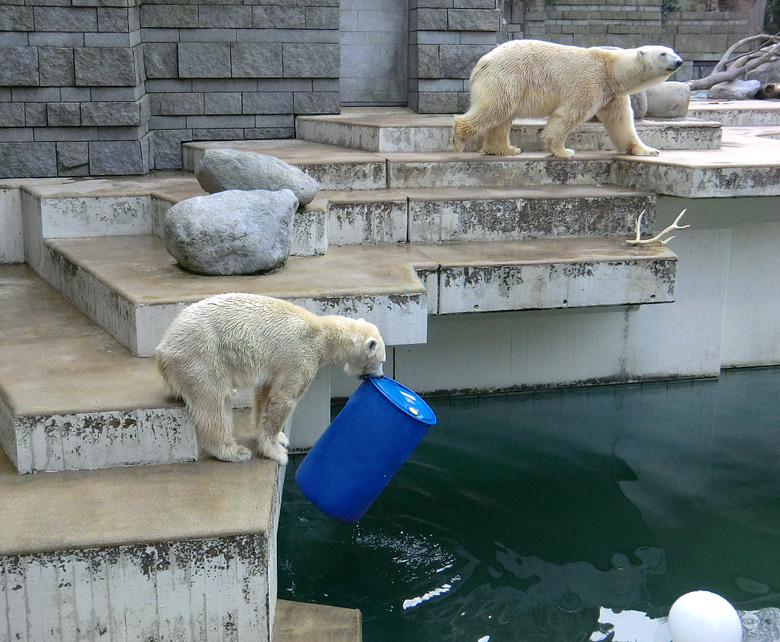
column 134, row 288
column 162, row 552
column 298, row 622
column 332, row 167
column 472, row 169
column 99, row 407
column 399, row 129
column 736, row 113
column 551, row 273
column 395, row 286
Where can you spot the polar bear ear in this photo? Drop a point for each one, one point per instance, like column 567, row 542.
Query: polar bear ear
column 371, row 345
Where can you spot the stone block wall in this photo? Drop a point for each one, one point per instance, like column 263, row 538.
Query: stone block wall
column 237, row 71
column 699, row 32
column 446, row 38
column 106, row 87
column 72, row 99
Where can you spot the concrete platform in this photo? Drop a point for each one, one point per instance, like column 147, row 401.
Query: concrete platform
column 449, row 214
column 298, row 622
column 747, row 164
column 134, row 288
column 131, row 286
column 399, row 129
column 71, row 396
column 177, row 552
column 737, row 113
column 124, row 205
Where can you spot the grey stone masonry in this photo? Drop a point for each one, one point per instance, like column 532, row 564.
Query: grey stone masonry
column 700, row 35
column 101, row 87
column 116, row 86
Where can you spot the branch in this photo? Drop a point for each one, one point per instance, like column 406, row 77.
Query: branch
column 740, row 65
column 724, row 61
column 657, row 238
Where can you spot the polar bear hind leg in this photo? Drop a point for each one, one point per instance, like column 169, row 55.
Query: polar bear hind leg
column 209, row 405
column 618, row 119
column 497, row 140
column 491, row 120
column 213, row 415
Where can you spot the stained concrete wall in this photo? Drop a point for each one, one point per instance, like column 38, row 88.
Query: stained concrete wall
column 724, row 315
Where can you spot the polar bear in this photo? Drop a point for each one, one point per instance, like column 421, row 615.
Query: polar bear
column 236, row 340
column 536, row 79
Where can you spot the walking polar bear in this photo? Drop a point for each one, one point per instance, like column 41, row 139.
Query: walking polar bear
column 537, row 79
column 231, row 341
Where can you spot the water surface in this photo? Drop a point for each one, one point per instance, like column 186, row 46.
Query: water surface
column 558, row 515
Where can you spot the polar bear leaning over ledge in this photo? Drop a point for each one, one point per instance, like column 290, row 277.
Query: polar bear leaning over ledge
column 231, row 341
column 537, row 79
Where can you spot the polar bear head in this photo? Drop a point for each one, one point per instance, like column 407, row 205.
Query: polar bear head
column 368, row 354
column 658, row 61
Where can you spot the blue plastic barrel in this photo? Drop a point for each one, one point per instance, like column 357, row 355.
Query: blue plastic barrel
column 363, row 447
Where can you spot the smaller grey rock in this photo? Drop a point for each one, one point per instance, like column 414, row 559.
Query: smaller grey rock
column 767, row 73
column 639, row 104
column 735, row 90
column 232, row 232
column 226, row 169
column 668, row 100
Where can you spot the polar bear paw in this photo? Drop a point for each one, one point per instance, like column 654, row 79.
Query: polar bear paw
column 270, row 447
column 283, row 439
column 563, row 152
column 234, row 453
column 501, row 151
column 643, row 150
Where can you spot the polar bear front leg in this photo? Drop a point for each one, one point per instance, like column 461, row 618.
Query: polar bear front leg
column 618, row 119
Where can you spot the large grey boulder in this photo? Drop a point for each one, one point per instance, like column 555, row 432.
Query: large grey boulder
column 670, row 99
column 225, row 169
column 231, row 232
column 734, row 90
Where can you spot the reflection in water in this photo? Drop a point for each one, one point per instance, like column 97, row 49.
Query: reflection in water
column 560, row 516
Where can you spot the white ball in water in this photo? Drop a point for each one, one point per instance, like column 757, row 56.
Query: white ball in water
column 702, row 616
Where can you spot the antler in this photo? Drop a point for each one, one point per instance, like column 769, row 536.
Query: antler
column 658, row 237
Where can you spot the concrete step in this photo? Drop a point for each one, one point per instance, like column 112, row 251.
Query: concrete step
column 298, row 622
column 339, row 168
column 436, row 215
column 173, row 552
column 131, row 286
column 737, row 113
column 399, row 129
column 71, row 396
column 55, row 208
column 748, row 164
column 134, row 288
column 333, row 167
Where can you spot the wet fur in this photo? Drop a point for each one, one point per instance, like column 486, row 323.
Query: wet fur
column 233, row 341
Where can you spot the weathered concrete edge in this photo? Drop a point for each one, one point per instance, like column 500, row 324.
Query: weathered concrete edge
column 102, row 439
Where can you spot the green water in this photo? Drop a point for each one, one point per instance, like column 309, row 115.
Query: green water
column 519, row 516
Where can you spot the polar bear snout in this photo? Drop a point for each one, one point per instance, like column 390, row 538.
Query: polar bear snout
column 370, row 357
column 674, row 65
